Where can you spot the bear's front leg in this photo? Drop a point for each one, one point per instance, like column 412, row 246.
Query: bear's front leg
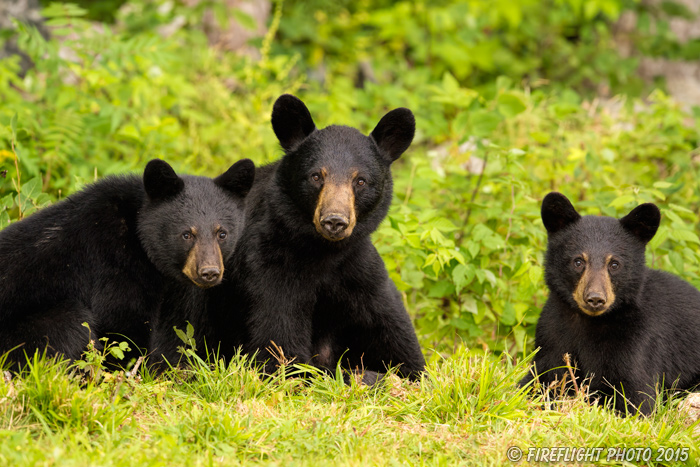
column 395, row 342
column 280, row 331
column 381, row 334
column 550, row 370
column 631, row 397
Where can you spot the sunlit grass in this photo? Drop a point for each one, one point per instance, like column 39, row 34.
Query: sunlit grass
column 466, row 410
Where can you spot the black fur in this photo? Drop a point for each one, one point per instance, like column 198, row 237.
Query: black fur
column 161, row 181
column 318, row 300
column 650, row 333
column 211, row 207
column 291, row 121
column 104, row 256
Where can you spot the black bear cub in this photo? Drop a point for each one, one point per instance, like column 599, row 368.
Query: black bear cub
column 625, row 327
column 307, row 276
column 108, row 254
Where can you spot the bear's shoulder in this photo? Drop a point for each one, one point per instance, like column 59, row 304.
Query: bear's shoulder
column 101, row 206
column 666, row 291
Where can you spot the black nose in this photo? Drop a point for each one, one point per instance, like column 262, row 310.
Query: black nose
column 595, row 300
column 335, row 224
column 210, row 274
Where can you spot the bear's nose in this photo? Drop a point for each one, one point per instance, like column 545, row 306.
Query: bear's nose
column 335, row 224
column 210, row 274
column 595, row 300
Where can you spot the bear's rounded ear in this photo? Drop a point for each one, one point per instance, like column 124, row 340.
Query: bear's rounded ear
column 291, row 121
column 643, row 221
column 394, row 133
column 557, row 212
column 239, row 178
column 160, row 180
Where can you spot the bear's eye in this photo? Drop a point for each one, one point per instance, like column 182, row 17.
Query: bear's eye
column 316, row 177
column 614, row 265
column 187, row 235
column 222, row 235
column 361, row 181
column 578, row 263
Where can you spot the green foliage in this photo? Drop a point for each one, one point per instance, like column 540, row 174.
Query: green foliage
column 187, row 337
column 501, row 96
column 96, row 356
column 504, row 97
column 567, row 42
column 50, row 398
column 104, row 10
column 465, row 411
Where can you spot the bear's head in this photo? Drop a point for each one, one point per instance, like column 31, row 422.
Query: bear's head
column 596, row 263
column 336, row 178
column 189, row 225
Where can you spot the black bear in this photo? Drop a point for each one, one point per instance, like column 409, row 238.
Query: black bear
column 306, row 276
column 107, row 254
column 624, row 326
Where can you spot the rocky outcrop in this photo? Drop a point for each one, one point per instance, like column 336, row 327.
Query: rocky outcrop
column 25, row 11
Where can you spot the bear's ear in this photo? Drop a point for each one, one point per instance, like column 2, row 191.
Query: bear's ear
column 160, row 180
column 642, row 221
column 557, row 212
column 239, row 178
column 291, row 121
column 394, row 133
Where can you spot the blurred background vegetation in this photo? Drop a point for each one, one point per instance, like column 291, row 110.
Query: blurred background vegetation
column 513, row 99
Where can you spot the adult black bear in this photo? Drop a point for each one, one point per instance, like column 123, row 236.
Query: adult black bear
column 107, row 254
column 625, row 326
column 306, row 275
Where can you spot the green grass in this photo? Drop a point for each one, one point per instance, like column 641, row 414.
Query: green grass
column 467, row 410
column 464, row 245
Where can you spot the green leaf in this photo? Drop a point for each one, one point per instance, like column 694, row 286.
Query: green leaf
column 490, row 276
column 60, row 10
column 181, row 335
column 449, row 84
column 32, row 188
column 469, row 304
column 508, row 315
column 7, row 202
column 620, row 201
column 493, row 243
column 441, row 289
column 535, row 273
column 676, row 261
column 485, row 122
column 662, row 185
column 522, row 269
column 117, row 352
column 511, row 104
column 520, row 334
column 460, row 323
column 442, row 224
column 474, row 248
column 685, row 235
column 659, row 238
column 674, row 218
column 678, row 208
column 460, row 278
column 480, row 232
column 4, row 219
column 244, row 19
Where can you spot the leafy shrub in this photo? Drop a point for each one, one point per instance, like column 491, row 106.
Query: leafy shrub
column 463, row 240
